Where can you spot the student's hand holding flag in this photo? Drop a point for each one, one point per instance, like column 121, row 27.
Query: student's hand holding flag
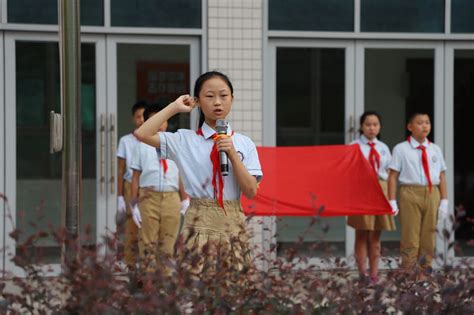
column 394, row 205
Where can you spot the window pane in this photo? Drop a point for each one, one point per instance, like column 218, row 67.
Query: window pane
column 310, row 96
column 310, row 111
column 38, row 172
column 316, row 15
column 154, row 73
column 46, row 12
column 152, row 13
column 462, row 16
column 463, row 140
column 421, row 16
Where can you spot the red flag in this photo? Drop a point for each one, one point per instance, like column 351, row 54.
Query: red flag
column 320, row 180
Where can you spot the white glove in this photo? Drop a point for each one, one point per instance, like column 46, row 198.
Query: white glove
column 184, row 205
column 137, row 218
column 121, row 214
column 443, row 209
column 394, row 205
column 121, row 206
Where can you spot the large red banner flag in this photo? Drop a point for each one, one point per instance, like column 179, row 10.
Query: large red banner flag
column 328, row 181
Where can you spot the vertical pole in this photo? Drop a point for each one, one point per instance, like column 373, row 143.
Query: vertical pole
column 70, row 60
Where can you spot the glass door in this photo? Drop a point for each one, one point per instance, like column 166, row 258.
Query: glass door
column 459, row 98
column 395, row 79
column 311, row 102
column 153, row 69
column 2, row 161
column 33, row 175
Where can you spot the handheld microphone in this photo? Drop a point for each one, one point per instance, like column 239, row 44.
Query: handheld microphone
column 221, row 128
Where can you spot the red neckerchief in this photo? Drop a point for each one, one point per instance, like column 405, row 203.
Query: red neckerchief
column 374, row 157
column 217, row 180
column 424, row 161
column 164, row 164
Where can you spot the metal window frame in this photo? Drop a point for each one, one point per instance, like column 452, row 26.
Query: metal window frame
column 378, row 36
column 3, row 12
column 107, row 28
column 357, row 34
column 447, row 17
column 448, row 147
column 2, row 153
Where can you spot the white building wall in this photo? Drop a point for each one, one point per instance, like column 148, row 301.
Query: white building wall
column 235, row 38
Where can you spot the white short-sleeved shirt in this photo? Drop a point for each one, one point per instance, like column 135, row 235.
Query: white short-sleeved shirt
column 152, row 175
column 125, row 150
column 406, row 159
column 383, row 151
column 191, row 152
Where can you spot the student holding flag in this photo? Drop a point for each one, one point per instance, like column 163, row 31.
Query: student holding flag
column 420, row 167
column 369, row 227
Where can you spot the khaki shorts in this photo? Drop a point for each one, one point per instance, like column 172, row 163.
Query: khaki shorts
column 206, row 224
column 373, row 222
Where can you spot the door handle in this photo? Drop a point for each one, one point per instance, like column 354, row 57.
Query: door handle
column 102, row 154
column 56, row 132
column 113, row 167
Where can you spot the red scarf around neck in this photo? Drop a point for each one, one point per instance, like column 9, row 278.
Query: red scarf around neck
column 374, row 157
column 217, row 178
column 424, row 162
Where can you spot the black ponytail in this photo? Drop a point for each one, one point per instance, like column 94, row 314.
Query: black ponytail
column 202, row 119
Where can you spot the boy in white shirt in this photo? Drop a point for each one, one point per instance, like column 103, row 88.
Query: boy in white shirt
column 420, row 167
column 124, row 154
column 158, row 197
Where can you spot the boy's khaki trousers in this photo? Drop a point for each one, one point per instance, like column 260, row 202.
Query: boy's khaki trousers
column 160, row 224
column 130, row 250
column 418, row 217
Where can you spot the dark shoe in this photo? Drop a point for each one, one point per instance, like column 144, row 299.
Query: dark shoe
column 364, row 278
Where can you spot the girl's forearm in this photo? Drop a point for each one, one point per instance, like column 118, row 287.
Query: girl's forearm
column 247, row 182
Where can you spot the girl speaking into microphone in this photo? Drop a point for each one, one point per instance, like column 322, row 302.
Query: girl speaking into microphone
column 215, row 216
